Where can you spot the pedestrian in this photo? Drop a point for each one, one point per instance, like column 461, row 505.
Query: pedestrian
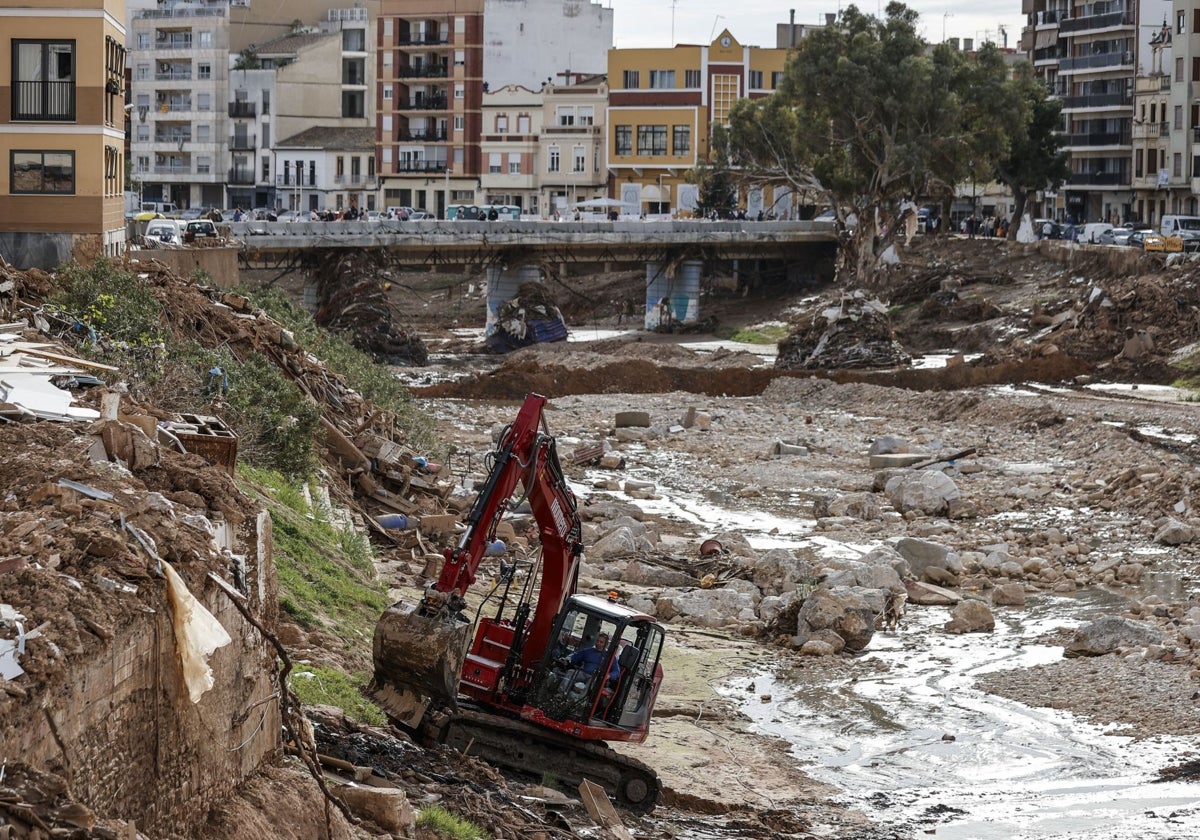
column 492, row 215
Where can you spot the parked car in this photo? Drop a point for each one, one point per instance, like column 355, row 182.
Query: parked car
column 1147, row 240
column 163, row 232
column 371, row 216
column 1041, row 231
column 419, row 215
column 292, row 216
column 1094, row 231
column 191, row 214
column 199, row 229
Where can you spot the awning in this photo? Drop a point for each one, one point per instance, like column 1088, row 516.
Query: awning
column 1045, row 38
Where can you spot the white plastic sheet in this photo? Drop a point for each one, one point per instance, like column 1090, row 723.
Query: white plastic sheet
column 197, row 634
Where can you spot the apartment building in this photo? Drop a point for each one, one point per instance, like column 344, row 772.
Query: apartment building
column 572, row 144
column 1181, row 70
column 179, row 54
column 326, row 168
column 512, row 124
column 1090, row 54
column 62, row 68
column 662, row 105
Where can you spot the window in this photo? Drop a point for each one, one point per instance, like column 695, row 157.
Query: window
column 776, row 78
column 460, row 91
column 756, row 79
column 495, row 162
column 339, row 168
column 43, row 75
column 203, row 102
column 312, row 171
column 580, row 157
column 1177, row 165
column 1178, row 118
column 514, row 163
column 204, row 70
column 143, row 41
column 42, row 172
column 1179, row 69
column 662, row 78
column 143, row 133
column 459, row 123
column 204, row 133
column 523, row 124
column 555, row 163
column 564, row 115
column 355, row 169
column 725, row 89
column 691, row 78
column 460, row 58
column 652, row 140
column 112, row 170
column 502, row 124
column 1196, row 68
column 681, row 139
column 371, row 168
column 1137, row 163
column 586, row 115
column 143, row 72
column 1181, row 23
column 203, row 165
column 354, row 104
column 387, row 92
column 632, row 79
column 1196, row 21
column 143, row 163
column 206, row 41
column 266, row 167
column 388, row 24
column 354, row 40
column 387, row 60
column 624, row 140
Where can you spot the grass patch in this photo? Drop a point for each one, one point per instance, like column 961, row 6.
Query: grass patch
column 326, row 576
column 765, row 334
column 316, row 686
column 448, row 825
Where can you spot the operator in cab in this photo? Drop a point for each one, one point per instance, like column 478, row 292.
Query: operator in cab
column 589, row 659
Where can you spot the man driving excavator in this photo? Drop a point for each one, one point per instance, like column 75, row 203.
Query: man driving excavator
column 588, row 659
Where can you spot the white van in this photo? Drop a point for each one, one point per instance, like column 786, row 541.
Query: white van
column 1185, row 227
column 1093, row 231
column 165, row 207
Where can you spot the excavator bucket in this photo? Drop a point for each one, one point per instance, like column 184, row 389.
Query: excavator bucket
column 418, row 660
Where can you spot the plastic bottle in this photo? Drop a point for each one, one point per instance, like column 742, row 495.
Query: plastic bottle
column 398, row 521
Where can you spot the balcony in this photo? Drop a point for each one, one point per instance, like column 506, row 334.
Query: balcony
column 173, row 169
column 1079, row 25
column 409, row 166
column 1098, row 100
column 243, row 142
column 430, row 135
column 1150, row 130
column 241, row 176
column 186, row 12
column 1118, row 138
column 44, row 101
column 172, row 137
column 173, row 76
column 243, row 109
column 173, row 44
column 424, row 71
column 288, row 179
column 173, row 105
column 1054, row 53
column 429, row 103
column 1099, row 179
column 1047, row 19
column 353, row 180
column 420, row 40
column 1098, row 61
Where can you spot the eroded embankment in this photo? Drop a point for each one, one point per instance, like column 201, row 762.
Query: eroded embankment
column 523, row 373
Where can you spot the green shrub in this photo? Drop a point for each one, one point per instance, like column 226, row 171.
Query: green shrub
column 765, row 334
column 448, row 825
column 113, row 301
column 316, row 686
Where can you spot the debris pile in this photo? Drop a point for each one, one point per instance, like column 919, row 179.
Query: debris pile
column 853, row 333
column 529, row 318
column 34, row 804
column 352, row 292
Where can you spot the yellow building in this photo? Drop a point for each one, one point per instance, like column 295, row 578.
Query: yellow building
column 62, row 69
column 662, row 104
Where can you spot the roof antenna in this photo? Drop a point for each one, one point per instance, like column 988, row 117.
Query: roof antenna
column 714, row 29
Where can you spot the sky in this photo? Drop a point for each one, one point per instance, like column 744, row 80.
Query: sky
column 648, row 23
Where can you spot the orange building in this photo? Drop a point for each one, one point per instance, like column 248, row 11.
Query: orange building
column 62, row 70
column 662, row 105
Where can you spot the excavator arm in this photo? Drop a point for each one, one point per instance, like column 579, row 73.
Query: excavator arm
column 419, row 652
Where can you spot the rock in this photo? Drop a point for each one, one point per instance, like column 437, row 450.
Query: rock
column 1106, row 635
column 876, row 576
column 636, row 489
column 856, row 505
column 816, row 647
column 1174, row 532
column 388, row 808
column 924, row 492
column 923, row 555
column 888, row 445
column 971, row 616
column 940, row 576
column 779, row 571
column 625, row 419
column 1009, row 595
column 619, row 542
column 629, row 435
column 842, row 610
column 887, row 554
column 647, row 574
column 928, row 595
column 707, row 607
column 771, row 606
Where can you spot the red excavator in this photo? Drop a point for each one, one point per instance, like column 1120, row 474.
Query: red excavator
column 547, row 677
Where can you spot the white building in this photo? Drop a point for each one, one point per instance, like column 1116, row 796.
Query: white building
column 571, row 145
column 536, row 42
column 327, row 168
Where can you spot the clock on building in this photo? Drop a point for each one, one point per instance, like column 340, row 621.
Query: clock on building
column 726, row 41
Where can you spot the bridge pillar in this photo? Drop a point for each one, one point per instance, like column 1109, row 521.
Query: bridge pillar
column 672, row 300
column 502, row 286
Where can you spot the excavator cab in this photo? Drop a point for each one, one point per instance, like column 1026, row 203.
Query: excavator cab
column 602, row 668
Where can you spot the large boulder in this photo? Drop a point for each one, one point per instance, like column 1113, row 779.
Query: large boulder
column 923, row 555
column 778, row 571
column 970, row 617
column 708, row 607
column 862, row 506
column 842, row 610
column 1174, row 532
column 648, row 574
column 1009, row 595
column 1109, row 634
column 924, row 491
column 619, row 542
column 874, row 576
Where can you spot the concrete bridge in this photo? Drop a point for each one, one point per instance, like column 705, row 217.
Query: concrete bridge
column 515, row 252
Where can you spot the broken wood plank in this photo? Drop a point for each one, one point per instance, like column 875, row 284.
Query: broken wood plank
column 601, row 809
column 70, row 360
column 954, row 456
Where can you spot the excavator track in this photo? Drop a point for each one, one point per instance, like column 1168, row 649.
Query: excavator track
column 521, row 746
